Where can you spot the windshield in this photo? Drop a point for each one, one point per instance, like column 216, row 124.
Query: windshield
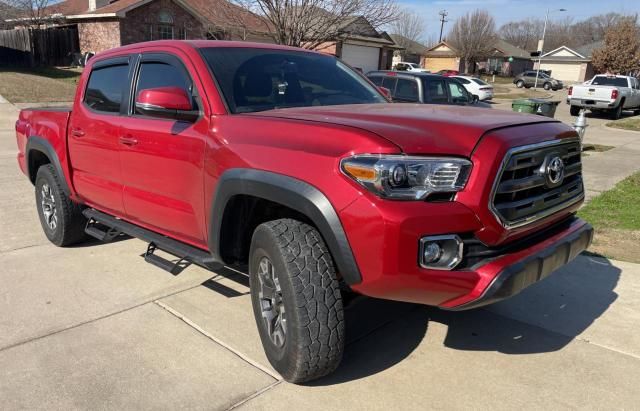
column 262, row 79
column 414, row 65
column 609, row 81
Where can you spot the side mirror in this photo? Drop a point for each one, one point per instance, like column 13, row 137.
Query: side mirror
column 166, row 102
column 385, row 91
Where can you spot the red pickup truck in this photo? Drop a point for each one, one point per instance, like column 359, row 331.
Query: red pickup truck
column 291, row 165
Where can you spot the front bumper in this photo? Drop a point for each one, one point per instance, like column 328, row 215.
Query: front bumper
column 519, row 275
column 385, row 241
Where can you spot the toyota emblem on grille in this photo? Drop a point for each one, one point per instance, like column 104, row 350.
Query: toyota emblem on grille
column 555, row 170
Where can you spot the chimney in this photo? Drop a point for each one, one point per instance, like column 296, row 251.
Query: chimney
column 96, row 4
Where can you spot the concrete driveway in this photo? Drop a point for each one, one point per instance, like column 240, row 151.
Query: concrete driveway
column 95, row 327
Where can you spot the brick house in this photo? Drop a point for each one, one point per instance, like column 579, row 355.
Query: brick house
column 104, row 24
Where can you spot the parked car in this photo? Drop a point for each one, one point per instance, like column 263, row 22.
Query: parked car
column 605, row 93
column 528, row 79
column 404, row 66
column 421, row 87
column 290, row 164
column 479, row 90
column 448, row 73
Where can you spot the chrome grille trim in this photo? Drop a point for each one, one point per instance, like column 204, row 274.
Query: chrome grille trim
column 566, row 194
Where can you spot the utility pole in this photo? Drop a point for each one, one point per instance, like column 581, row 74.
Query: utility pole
column 443, row 14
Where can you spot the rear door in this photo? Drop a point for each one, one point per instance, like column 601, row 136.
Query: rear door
column 94, row 130
column 435, row 91
column 163, row 159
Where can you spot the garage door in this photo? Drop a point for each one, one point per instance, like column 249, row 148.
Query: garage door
column 563, row 71
column 361, row 57
column 434, row 64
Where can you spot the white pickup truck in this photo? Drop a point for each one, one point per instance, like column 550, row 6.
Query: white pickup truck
column 606, row 93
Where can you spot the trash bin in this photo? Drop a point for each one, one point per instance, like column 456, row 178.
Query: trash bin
column 524, row 106
column 546, row 108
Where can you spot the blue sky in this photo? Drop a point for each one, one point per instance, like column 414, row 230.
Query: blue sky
column 504, row 11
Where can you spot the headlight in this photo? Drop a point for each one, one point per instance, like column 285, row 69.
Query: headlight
column 401, row 177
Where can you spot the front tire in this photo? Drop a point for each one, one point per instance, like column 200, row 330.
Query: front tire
column 547, row 86
column 61, row 219
column 296, row 300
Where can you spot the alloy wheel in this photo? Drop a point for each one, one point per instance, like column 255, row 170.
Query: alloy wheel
column 49, row 209
column 271, row 303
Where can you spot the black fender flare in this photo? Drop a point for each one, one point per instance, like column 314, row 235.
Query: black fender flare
column 290, row 192
column 35, row 143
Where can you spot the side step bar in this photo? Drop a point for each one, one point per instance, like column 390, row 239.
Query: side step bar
column 114, row 226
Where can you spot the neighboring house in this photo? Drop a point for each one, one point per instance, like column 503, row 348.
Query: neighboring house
column 570, row 65
column 104, row 24
column 362, row 46
column 442, row 56
column 507, row 59
column 7, row 12
column 412, row 52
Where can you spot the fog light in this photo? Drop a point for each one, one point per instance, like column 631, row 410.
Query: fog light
column 432, row 252
column 442, row 252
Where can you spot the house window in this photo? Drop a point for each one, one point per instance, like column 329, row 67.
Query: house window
column 182, row 33
column 164, row 29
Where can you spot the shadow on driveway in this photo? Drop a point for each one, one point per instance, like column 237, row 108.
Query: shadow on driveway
column 546, row 317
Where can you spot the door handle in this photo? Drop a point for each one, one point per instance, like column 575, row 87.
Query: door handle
column 77, row 132
column 128, row 141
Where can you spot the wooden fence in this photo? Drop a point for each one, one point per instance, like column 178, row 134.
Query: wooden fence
column 54, row 46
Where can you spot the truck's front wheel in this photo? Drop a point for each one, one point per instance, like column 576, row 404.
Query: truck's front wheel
column 296, row 300
column 61, row 219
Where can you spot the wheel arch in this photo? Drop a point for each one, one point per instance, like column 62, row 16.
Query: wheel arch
column 302, row 198
column 38, row 152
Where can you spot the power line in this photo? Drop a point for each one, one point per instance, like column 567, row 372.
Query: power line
column 443, row 14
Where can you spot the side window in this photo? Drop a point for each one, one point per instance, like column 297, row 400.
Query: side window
column 377, row 80
column 104, row 88
column 154, row 74
column 406, row 90
column 435, row 92
column 457, row 92
column 390, row 83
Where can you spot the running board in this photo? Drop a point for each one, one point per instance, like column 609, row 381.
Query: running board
column 186, row 253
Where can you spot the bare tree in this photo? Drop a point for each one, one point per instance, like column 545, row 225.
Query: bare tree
column 523, row 34
column 473, row 35
column 34, row 12
column 312, row 23
column 409, row 28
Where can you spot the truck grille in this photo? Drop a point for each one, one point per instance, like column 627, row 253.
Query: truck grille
column 530, row 185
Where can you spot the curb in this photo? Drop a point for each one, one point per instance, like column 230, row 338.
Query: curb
column 619, row 129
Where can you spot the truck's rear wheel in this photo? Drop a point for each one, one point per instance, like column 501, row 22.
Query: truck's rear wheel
column 616, row 113
column 296, row 300
column 574, row 110
column 61, row 219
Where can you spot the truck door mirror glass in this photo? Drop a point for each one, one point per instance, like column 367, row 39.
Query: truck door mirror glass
column 166, row 102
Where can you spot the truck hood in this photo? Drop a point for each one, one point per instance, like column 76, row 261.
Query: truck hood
column 415, row 128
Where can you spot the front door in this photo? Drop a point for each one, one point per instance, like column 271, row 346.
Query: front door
column 94, row 132
column 162, row 159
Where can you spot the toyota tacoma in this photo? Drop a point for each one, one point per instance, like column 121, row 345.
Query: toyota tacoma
column 291, row 165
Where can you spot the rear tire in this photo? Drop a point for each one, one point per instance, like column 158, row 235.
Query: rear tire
column 296, row 300
column 61, row 219
column 519, row 83
column 616, row 113
column 574, row 110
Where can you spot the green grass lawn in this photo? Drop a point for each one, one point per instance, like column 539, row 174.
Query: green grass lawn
column 615, row 216
column 631, row 123
column 38, row 85
column 617, row 208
